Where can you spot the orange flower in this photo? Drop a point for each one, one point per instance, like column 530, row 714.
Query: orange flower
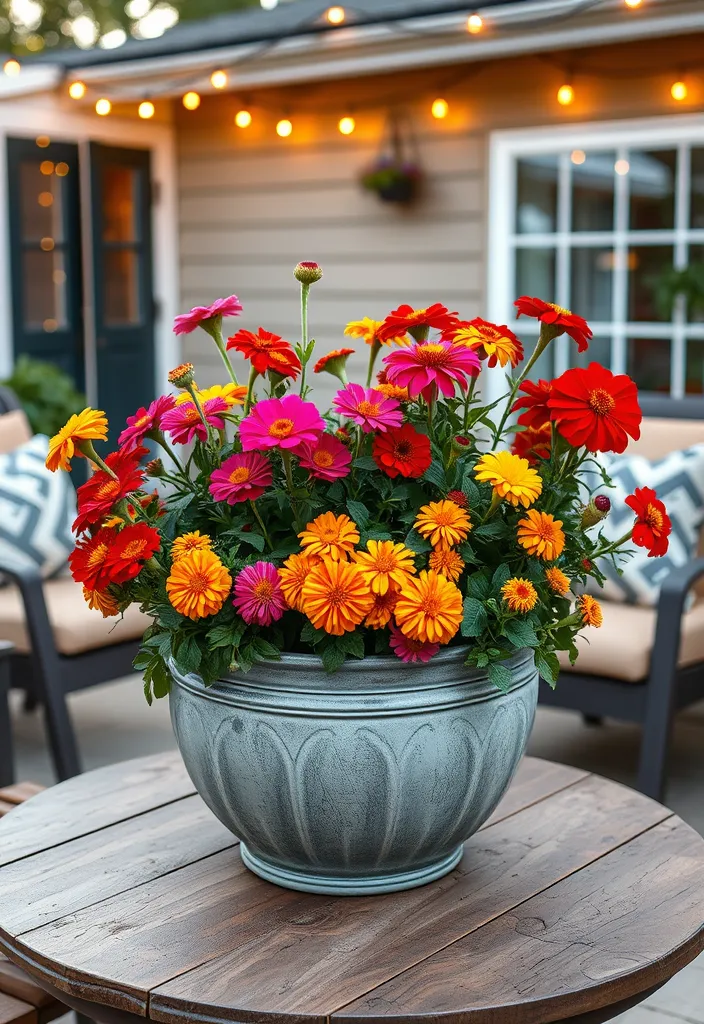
column 393, row 391
column 195, row 541
column 590, row 610
column 443, row 523
column 74, row 438
column 293, row 575
column 198, row 585
column 429, row 608
column 335, row 596
column 367, row 329
column 329, row 536
column 492, row 342
column 385, row 565
column 519, row 594
column 447, row 562
column 557, row 580
column 541, row 535
column 382, row 610
column 102, row 601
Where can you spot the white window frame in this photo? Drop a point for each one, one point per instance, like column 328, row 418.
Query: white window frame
column 506, row 147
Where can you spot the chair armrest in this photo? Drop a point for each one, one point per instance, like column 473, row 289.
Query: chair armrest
column 31, row 587
column 673, row 595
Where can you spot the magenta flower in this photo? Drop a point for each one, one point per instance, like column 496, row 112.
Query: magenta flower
column 281, row 423
column 411, row 650
column 183, row 422
column 242, row 477
column 326, row 459
column 197, row 317
column 145, row 420
column 434, row 362
column 369, row 408
column 258, row 595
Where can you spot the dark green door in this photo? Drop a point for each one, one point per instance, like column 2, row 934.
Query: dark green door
column 122, row 280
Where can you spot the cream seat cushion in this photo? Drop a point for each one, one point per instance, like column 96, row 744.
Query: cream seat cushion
column 77, row 628
column 621, row 647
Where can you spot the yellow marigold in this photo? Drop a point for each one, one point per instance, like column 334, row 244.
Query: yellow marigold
column 382, row 610
column 329, row 536
column 557, row 580
column 385, row 565
column 366, row 328
column 293, row 575
column 511, row 477
column 499, row 344
column 443, row 523
column 89, row 425
column 447, row 562
column 429, row 608
column 519, row 594
column 393, row 391
column 199, row 584
column 102, row 601
column 335, row 596
column 194, row 541
column 233, row 394
column 541, row 535
column 590, row 610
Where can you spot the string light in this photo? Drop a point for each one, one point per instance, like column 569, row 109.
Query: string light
column 218, row 79
column 146, row 110
column 42, row 141
column 633, row 3
column 622, row 167
column 335, row 15
column 475, row 24
column 191, row 100
column 103, row 107
column 565, row 95
column 284, row 128
column 679, row 91
column 578, row 156
column 243, row 119
column 77, row 90
column 439, row 109
column 346, row 125
column 11, row 68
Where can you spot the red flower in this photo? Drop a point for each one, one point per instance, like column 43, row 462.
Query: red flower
column 535, row 403
column 402, row 450
column 145, row 420
column 406, row 319
column 652, row 526
column 87, row 560
column 596, row 409
column 129, row 550
column 266, row 351
column 557, row 317
column 533, row 443
column 98, row 495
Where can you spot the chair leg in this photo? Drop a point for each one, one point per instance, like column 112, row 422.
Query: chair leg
column 62, row 738
column 654, row 750
column 7, row 760
column 660, row 702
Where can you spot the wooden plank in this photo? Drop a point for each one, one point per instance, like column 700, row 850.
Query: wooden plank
column 535, row 780
column 56, row 882
column 20, row 792
column 72, row 809
column 14, row 1011
column 615, row 929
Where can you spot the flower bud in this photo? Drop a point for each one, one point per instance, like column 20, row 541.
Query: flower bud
column 594, row 512
column 181, row 376
column 308, row 273
column 603, row 503
column 154, row 468
column 343, row 434
column 459, row 498
column 587, row 564
column 458, row 447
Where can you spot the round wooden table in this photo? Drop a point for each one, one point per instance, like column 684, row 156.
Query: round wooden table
column 122, row 894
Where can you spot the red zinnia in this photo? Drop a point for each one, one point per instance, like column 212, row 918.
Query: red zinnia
column 533, row 443
column 563, row 320
column 98, row 495
column 535, row 403
column 595, row 408
column 652, row 526
column 129, row 551
column 403, row 450
column 266, row 351
column 407, row 320
column 87, row 560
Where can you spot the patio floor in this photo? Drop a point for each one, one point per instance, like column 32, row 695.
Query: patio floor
column 114, row 724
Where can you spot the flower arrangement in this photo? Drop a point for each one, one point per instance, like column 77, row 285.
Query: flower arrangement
column 409, row 516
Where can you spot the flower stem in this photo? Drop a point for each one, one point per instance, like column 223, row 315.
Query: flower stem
column 286, row 459
column 543, row 342
column 305, row 292
column 375, row 349
column 613, row 546
column 161, row 440
column 259, row 519
column 250, row 389
column 87, row 449
column 214, row 329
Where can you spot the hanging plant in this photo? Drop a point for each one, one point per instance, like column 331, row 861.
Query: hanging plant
column 395, row 175
column 689, row 282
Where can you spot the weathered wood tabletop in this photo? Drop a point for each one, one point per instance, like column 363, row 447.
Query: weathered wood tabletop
column 120, row 890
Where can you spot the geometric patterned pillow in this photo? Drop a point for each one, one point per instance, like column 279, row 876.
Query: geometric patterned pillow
column 37, row 509
column 678, row 480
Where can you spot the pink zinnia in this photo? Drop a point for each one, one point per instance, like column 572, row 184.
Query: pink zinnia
column 242, row 477
column 281, row 423
column 145, row 420
column 183, row 422
column 187, row 322
column 326, row 459
column 431, row 362
column 258, row 595
column 369, row 408
column 411, row 650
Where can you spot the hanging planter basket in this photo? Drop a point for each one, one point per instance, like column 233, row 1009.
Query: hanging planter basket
column 395, row 175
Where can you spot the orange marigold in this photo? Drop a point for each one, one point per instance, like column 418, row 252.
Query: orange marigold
column 102, row 601
column 199, row 584
column 447, row 562
column 590, row 610
column 557, row 580
column 541, row 535
column 329, row 536
column 520, row 595
column 429, row 608
column 385, row 565
column 382, row 610
column 293, row 575
column 194, row 541
column 335, row 596
column 443, row 523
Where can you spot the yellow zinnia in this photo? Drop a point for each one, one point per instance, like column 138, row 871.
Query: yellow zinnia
column 335, row 596
column 367, row 328
column 233, row 394
column 429, row 608
column 590, row 610
column 198, row 584
column 447, row 562
column 443, row 523
column 520, row 595
column 293, row 575
column 89, row 425
column 557, row 580
column 329, row 536
column 194, row 541
column 385, row 565
column 511, row 477
column 541, row 535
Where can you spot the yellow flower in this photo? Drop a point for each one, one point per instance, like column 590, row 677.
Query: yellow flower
column 366, row 328
column 443, row 523
column 233, row 394
column 510, row 476
column 382, row 610
column 429, row 608
column 393, row 391
column 447, row 562
column 102, row 601
column 557, row 580
column 498, row 343
column 198, row 584
column 89, row 425
column 541, row 535
column 329, row 536
column 520, row 595
column 590, row 610
column 335, row 596
column 385, row 565
column 293, row 575
column 195, row 541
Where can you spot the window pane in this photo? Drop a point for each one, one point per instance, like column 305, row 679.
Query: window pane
column 652, row 179
column 648, row 267
column 599, row 351
column 121, row 286
column 592, row 277
column 648, row 363
column 695, row 305
column 535, row 273
column 41, row 210
column 694, row 376
column 537, row 195
column 593, row 191
column 697, row 214
column 120, row 197
column 44, row 288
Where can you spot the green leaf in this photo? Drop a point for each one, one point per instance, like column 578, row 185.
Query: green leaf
column 359, row 514
column 520, row 633
column 500, row 676
column 475, row 619
column 352, row 643
column 170, row 619
column 285, row 550
column 365, row 462
column 435, row 474
column 311, row 635
column 148, row 691
column 265, row 650
column 478, row 585
column 501, row 575
column 416, row 543
column 488, row 531
column 333, row 655
column 469, row 487
column 254, row 539
column 548, row 666
column 161, row 680
column 481, row 659
column 188, row 655
column 143, row 660
column 227, row 635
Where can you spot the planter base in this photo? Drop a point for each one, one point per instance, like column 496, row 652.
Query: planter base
column 371, row 885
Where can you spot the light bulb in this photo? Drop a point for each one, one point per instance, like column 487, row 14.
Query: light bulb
column 335, row 15
column 346, row 125
column 578, row 156
column 76, row 90
column 243, row 119
column 633, row 3
column 679, row 91
column 475, row 24
column 622, row 167
column 439, row 109
column 284, row 128
column 191, row 100
column 42, row 141
column 146, row 110
column 103, row 107
column 565, row 95
column 12, row 68
column 218, row 79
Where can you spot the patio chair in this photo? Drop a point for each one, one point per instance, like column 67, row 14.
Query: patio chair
column 61, row 645
column 645, row 664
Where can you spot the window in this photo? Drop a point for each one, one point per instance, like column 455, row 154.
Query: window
column 607, row 221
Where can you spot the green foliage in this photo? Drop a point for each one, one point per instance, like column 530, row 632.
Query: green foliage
column 47, row 394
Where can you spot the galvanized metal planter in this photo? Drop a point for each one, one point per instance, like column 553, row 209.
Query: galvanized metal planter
column 367, row 781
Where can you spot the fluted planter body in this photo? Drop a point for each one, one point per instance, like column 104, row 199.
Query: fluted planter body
column 366, row 781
